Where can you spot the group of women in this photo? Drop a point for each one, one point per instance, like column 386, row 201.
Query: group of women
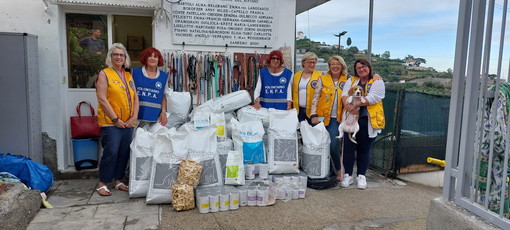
column 126, row 100
column 321, row 97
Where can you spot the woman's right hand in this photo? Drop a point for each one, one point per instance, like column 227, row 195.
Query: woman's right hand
column 257, row 106
column 120, row 124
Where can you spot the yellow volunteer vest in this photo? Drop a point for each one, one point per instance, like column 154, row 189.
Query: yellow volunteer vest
column 326, row 100
column 375, row 111
column 310, row 90
column 117, row 97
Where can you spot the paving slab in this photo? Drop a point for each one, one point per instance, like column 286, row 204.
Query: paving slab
column 385, row 204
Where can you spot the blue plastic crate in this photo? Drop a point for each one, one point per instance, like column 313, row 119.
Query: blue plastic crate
column 85, row 153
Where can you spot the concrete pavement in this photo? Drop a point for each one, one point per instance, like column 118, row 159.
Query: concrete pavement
column 385, row 204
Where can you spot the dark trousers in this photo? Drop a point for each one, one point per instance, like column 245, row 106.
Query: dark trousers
column 302, row 116
column 334, row 146
column 115, row 143
column 362, row 149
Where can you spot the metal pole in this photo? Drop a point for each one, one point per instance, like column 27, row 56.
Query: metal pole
column 370, row 20
column 339, row 37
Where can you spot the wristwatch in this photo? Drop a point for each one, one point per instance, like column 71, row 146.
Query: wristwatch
column 313, row 115
column 115, row 120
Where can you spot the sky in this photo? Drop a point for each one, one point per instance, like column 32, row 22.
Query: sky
column 424, row 29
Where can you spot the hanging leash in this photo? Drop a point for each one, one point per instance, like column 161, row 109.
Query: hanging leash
column 251, row 72
column 185, row 73
column 199, row 78
column 192, row 72
column 236, row 72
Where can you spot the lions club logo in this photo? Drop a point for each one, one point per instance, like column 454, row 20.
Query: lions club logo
column 159, row 85
column 314, row 84
column 283, row 80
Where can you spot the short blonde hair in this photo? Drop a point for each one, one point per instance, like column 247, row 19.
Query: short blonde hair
column 342, row 62
column 108, row 61
column 308, row 56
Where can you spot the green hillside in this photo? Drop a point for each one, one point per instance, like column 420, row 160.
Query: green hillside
column 393, row 71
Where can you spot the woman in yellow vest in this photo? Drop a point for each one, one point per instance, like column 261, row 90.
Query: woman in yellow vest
column 327, row 105
column 303, row 86
column 117, row 116
column 370, row 119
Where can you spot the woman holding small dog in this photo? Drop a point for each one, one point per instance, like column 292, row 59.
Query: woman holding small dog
column 303, row 86
column 370, row 119
column 327, row 104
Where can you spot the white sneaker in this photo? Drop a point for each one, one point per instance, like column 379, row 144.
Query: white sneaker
column 362, row 182
column 346, row 181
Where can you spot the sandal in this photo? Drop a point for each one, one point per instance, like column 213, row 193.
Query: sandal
column 103, row 191
column 122, row 187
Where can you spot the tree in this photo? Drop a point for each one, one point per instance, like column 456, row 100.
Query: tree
column 386, row 55
column 420, row 61
column 353, row 50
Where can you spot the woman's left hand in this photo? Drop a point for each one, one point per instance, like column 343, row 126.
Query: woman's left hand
column 163, row 119
column 130, row 122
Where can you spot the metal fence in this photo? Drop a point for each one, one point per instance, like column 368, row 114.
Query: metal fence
column 416, row 127
column 477, row 152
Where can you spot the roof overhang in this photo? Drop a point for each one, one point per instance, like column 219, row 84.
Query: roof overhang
column 304, row 5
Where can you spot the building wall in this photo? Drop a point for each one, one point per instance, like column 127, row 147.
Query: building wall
column 30, row 16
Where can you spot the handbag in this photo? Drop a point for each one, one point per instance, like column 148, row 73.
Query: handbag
column 85, row 126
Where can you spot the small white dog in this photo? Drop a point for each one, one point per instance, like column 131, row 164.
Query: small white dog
column 350, row 121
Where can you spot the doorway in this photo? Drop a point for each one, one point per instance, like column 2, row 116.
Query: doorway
column 84, row 63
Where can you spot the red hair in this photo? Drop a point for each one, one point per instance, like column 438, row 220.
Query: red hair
column 147, row 53
column 274, row 53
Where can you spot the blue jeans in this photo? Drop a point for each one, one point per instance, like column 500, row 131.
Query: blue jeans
column 334, row 147
column 362, row 149
column 115, row 142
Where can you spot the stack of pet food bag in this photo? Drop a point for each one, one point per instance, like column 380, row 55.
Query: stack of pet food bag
column 225, row 154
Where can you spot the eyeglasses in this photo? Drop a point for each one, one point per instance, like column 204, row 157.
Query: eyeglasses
column 311, row 62
column 276, row 58
column 118, row 55
column 335, row 64
column 362, row 67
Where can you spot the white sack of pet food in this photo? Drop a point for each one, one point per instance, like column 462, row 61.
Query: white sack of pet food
column 249, row 113
column 218, row 119
column 282, row 141
column 234, row 172
column 142, row 149
column 247, row 138
column 202, row 147
column 201, row 118
column 228, row 126
column 227, row 103
column 156, row 128
column 178, row 106
column 224, row 146
column 169, row 150
column 315, row 159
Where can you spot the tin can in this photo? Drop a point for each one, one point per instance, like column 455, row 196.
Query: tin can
column 249, row 171
column 224, row 201
column 262, row 196
column 203, row 202
column 234, row 200
column 252, row 196
column 214, row 202
column 243, row 196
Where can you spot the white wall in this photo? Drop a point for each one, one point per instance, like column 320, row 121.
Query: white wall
column 285, row 35
column 29, row 16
